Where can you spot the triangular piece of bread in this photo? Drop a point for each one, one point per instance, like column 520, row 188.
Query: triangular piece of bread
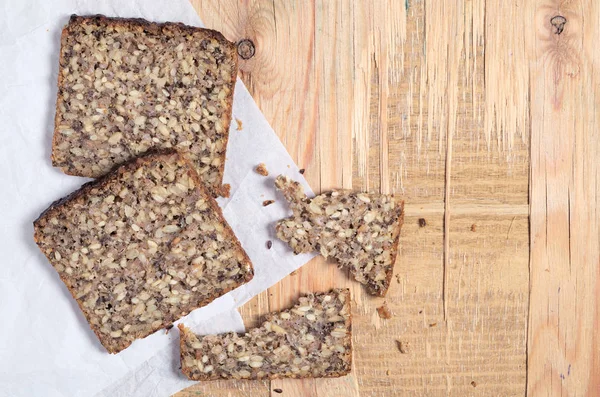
column 361, row 231
column 313, row 339
column 142, row 247
column 127, row 86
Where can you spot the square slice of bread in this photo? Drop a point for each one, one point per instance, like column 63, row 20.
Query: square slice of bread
column 311, row 340
column 141, row 247
column 128, row 85
column 361, row 231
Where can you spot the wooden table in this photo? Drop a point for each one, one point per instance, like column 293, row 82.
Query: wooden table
column 484, row 116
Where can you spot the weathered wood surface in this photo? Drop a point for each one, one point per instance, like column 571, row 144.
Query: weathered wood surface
column 479, row 114
column 564, row 321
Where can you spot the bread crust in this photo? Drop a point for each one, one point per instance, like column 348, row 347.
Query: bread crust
column 155, row 27
column 394, row 251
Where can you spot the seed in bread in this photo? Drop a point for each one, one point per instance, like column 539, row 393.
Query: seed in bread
column 128, row 85
column 313, row 339
column 142, row 247
column 361, row 231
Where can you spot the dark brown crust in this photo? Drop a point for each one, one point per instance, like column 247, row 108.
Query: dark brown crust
column 394, row 251
column 102, row 183
column 59, row 99
column 225, row 190
column 184, row 330
column 153, row 26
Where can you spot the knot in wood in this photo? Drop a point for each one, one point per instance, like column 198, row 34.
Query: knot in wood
column 246, row 49
column 558, row 22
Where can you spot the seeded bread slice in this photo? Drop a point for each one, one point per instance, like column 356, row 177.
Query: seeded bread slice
column 141, row 247
column 128, row 85
column 313, row 339
column 361, row 231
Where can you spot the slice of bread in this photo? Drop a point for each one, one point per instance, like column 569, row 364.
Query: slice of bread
column 313, row 339
column 141, row 247
column 361, row 231
column 128, row 85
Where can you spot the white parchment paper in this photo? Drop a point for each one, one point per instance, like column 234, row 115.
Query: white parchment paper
column 46, row 346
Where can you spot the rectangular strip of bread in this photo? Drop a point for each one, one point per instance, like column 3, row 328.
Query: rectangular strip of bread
column 312, row 339
column 128, row 85
column 142, row 247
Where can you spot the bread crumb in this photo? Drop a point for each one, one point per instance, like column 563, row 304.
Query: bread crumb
column 239, row 124
column 268, row 202
column 384, row 311
column 168, row 328
column 225, row 190
column 473, row 227
column 294, row 273
column 262, row 169
column 473, row 383
column 402, row 346
column 302, row 171
column 387, row 372
column 278, row 391
column 422, row 222
column 433, row 325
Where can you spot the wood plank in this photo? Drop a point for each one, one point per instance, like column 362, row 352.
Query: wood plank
column 564, row 347
column 394, row 97
column 491, row 141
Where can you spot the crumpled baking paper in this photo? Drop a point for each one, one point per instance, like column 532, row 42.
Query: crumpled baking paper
column 46, row 346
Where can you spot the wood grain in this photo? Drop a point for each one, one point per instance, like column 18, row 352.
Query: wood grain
column 468, row 110
column 564, row 346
